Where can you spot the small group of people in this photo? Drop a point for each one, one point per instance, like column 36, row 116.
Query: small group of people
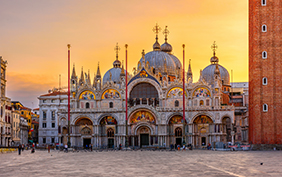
column 177, row 147
column 21, row 147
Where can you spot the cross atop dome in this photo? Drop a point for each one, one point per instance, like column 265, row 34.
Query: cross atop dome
column 165, row 32
column 214, row 59
column 117, row 62
column 214, row 47
column 156, row 30
column 117, row 49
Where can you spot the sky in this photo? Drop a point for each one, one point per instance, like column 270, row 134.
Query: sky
column 34, row 35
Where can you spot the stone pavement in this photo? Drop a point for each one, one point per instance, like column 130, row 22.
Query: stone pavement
column 142, row 163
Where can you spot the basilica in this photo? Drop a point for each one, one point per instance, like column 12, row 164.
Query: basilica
column 154, row 104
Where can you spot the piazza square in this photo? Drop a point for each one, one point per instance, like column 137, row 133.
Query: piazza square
column 142, row 163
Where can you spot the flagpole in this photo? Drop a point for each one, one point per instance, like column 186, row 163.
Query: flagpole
column 69, row 143
column 183, row 93
column 126, row 113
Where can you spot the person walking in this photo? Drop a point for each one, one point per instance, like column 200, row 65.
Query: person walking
column 49, row 147
column 20, row 148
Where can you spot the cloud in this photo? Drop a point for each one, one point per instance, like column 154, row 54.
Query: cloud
column 27, row 87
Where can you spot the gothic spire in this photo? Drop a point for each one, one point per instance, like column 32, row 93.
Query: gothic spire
column 98, row 75
column 73, row 75
column 122, row 73
column 189, row 69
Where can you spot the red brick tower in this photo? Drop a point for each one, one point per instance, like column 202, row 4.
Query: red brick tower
column 265, row 77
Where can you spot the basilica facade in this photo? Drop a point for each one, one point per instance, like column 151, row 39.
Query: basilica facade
column 155, row 104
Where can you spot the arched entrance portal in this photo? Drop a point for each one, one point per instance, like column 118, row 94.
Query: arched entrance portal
column 175, row 126
column 107, row 129
column 144, row 135
column 142, row 124
column 202, row 125
column 83, row 127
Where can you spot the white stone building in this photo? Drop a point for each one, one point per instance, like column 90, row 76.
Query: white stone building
column 49, row 105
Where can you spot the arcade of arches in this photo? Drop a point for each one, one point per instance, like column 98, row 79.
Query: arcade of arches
column 143, row 130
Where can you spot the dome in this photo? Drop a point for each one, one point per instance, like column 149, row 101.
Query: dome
column 156, row 46
column 176, row 61
column 208, row 74
column 115, row 72
column 166, row 47
column 214, row 59
column 157, row 60
column 116, row 63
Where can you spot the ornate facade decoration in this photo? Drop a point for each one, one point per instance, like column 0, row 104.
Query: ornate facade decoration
column 154, row 104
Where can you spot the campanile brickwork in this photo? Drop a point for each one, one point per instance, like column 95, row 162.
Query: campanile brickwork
column 265, row 127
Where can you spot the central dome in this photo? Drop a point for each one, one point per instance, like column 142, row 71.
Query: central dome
column 158, row 59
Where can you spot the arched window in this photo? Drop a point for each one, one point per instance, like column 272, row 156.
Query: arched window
column 264, row 55
column 201, row 103
column 111, row 104
column 87, row 105
column 264, row 28
column 176, row 103
column 265, row 108
column 178, row 132
column 264, row 81
column 110, row 133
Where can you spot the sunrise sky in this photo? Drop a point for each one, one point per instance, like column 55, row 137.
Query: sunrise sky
column 34, row 35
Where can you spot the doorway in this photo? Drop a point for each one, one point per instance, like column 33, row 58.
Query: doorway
column 204, row 141
column 86, row 141
column 110, row 143
column 178, row 141
column 144, row 139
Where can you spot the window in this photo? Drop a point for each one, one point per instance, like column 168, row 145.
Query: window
column 44, row 115
column 110, row 132
column 263, row 28
column 53, row 115
column 176, row 103
column 53, row 125
column 22, row 112
column 178, row 132
column 52, row 101
column 53, row 140
column 208, row 102
column 61, row 101
column 264, row 55
column 43, row 125
column 44, row 101
column 263, row 2
column 44, row 140
column 264, row 81
column 265, row 108
column 195, row 102
column 87, row 105
column 111, row 104
column 201, row 103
